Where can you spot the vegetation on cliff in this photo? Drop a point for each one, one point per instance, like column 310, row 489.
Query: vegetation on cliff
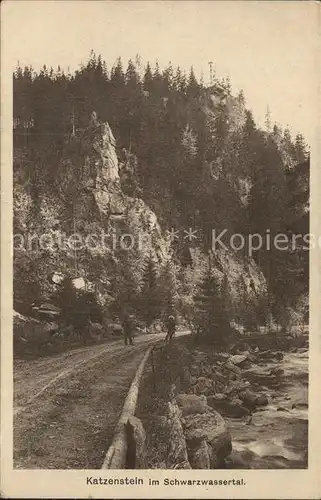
column 177, row 155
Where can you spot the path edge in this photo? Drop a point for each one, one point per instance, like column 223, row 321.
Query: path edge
column 115, row 457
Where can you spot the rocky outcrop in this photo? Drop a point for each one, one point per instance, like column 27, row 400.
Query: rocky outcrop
column 27, row 329
column 177, row 453
column 104, row 144
column 90, row 202
column 112, row 204
column 207, row 437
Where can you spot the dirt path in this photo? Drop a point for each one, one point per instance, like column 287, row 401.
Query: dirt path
column 66, row 407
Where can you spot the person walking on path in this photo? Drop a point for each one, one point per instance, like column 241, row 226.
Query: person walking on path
column 128, row 328
column 171, row 328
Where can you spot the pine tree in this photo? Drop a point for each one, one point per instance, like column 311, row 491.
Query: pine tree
column 139, row 65
column 226, row 297
column 202, row 84
column 193, row 88
column 125, row 286
column 158, row 87
column 180, row 82
column 241, row 98
column 117, row 77
column 132, row 77
column 149, row 301
column 268, row 120
column 300, row 148
column 168, row 290
column 189, row 142
column 177, row 79
column 67, row 300
column 277, row 131
column 226, row 84
column 168, row 76
column 211, row 318
column 249, row 126
column 148, row 78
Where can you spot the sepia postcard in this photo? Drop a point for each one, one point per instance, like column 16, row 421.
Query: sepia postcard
column 160, row 249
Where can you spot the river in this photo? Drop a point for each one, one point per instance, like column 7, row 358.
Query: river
column 276, row 436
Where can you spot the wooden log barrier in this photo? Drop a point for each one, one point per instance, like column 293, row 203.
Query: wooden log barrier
column 117, row 453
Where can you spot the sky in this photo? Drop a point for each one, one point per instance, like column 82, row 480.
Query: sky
column 269, row 49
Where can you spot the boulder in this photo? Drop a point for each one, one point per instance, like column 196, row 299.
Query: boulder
column 203, row 385
column 212, row 428
column 206, row 371
column 199, row 356
column 95, row 330
column 200, row 456
column 237, row 386
column 304, row 354
column 233, row 368
column 186, row 376
column 218, row 396
column 222, row 356
column 190, row 404
column 277, row 371
column 238, row 359
column 195, row 370
column 262, row 400
column 217, row 375
column 302, row 404
column 265, row 354
column 301, row 398
column 260, row 375
column 240, row 460
column 219, row 387
column 248, row 398
column 230, row 408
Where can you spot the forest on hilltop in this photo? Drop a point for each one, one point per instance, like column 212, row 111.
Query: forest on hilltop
column 192, row 152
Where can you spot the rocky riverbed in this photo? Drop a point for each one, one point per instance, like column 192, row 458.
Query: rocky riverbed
column 258, row 395
column 276, row 435
column 263, row 397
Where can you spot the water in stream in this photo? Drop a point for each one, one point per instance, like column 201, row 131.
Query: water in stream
column 276, row 436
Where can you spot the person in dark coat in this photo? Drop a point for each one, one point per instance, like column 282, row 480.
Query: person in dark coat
column 171, row 328
column 128, row 329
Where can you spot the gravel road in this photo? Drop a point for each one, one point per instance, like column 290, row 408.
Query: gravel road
column 66, row 406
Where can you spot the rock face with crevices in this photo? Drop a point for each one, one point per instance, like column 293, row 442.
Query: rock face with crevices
column 207, row 437
column 92, row 204
column 177, row 453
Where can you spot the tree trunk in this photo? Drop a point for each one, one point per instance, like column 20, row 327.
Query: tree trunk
column 116, row 455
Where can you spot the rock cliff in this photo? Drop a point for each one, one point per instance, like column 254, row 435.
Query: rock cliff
column 89, row 201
